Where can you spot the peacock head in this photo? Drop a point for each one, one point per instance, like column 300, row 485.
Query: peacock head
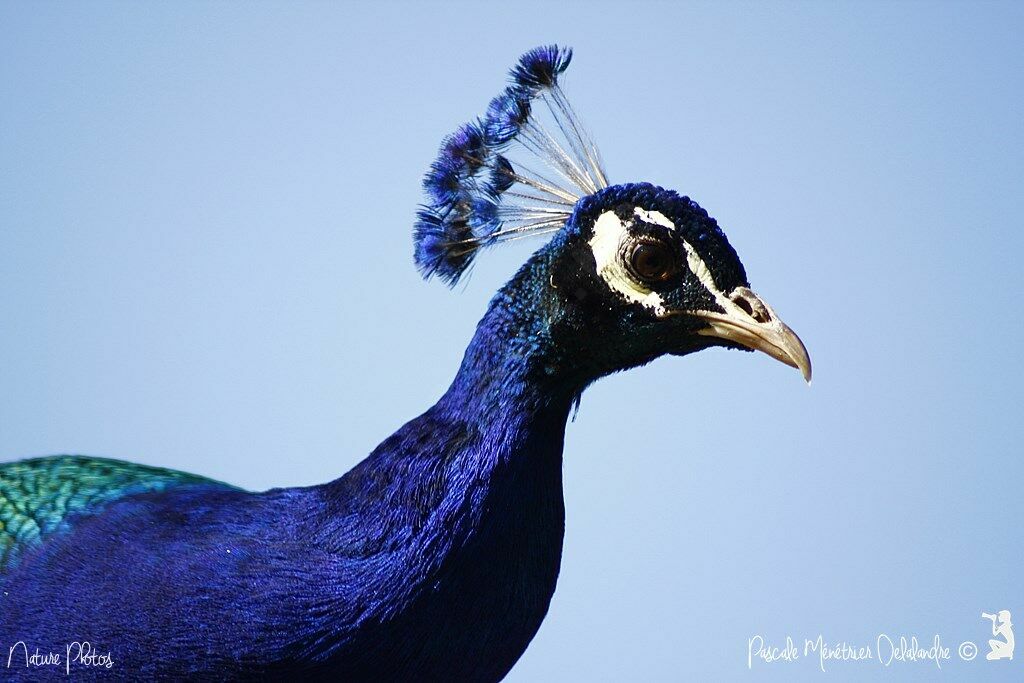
column 638, row 270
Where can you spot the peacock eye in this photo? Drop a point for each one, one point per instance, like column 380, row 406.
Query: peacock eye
column 652, row 261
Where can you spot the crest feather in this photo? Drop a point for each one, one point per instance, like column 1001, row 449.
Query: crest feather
column 478, row 196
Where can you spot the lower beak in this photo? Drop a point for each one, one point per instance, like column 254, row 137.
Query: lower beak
column 751, row 322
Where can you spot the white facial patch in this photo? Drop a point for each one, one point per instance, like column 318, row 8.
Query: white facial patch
column 609, row 231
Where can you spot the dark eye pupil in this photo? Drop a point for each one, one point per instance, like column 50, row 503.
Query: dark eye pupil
column 651, row 261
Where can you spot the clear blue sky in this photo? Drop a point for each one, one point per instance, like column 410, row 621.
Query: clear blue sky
column 205, row 263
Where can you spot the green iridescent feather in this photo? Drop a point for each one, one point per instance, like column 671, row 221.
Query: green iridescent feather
column 37, row 496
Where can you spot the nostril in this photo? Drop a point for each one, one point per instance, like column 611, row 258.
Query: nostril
column 745, row 305
column 752, row 306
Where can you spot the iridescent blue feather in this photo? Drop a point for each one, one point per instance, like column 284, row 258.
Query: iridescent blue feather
column 540, row 67
column 505, row 116
column 503, row 176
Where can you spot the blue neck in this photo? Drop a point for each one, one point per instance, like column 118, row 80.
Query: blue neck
column 512, row 367
column 459, row 514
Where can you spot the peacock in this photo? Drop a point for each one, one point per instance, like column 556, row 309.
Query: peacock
column 436, row 557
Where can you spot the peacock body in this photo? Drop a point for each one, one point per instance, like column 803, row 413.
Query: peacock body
column 436, row 557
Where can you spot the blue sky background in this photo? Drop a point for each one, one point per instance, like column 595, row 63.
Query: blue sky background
column 205, row 263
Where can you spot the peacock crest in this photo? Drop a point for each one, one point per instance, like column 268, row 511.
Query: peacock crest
column 516, row 172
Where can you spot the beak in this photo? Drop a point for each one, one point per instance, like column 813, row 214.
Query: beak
column 751, row 322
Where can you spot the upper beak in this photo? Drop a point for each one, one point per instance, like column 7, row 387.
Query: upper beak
column 751, row 322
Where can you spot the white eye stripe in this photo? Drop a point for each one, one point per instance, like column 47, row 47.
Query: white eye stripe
column 700, row 269
column 655, row 217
